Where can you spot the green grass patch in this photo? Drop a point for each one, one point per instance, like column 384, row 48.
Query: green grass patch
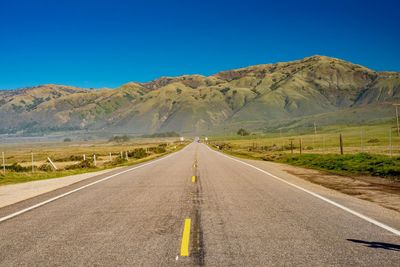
column 348, row 164
column 12, row 177
column 360, row 164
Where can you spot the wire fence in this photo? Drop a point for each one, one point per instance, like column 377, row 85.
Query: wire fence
column 66, row 158
column 385, row 141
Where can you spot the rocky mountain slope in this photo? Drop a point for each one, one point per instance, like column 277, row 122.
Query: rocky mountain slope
column 261, row 97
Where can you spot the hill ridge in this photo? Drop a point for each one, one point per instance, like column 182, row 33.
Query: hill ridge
column 259, row 97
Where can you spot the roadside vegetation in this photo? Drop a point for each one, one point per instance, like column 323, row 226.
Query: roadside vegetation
column 72, row 159
column 372, row 150
column 119, row 139
column 163, row 134
column 353, row 164
column 243, row 132
column 360, row 163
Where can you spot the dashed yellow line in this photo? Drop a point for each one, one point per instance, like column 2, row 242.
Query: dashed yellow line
column 193, row 179
column 185, row 238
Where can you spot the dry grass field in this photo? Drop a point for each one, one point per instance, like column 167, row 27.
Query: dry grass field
column 77, row 157
column 374, row 139
column 368, row 150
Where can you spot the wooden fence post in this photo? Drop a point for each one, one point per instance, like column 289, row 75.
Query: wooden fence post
column 33, row 169
column 341, row 144
column 52, row 164
column 4, row 163
column 291, row 145
column 361, row 142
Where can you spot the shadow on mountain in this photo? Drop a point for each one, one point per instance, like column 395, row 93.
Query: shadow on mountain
column 380, row 245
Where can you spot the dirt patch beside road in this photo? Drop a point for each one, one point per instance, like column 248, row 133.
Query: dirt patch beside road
column 384, row 192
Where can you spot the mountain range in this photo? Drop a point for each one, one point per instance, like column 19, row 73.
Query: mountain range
column 260, row 98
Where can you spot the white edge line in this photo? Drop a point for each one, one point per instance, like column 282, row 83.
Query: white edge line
column 5, row 218
column 366, row 218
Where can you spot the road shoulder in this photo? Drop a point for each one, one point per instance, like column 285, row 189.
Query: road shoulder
column 371, row 207
column 296, row 175
column 10, row 194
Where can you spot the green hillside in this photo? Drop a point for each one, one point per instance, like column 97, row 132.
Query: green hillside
column 263, row 97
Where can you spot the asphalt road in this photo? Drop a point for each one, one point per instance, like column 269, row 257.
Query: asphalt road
column 235, row 215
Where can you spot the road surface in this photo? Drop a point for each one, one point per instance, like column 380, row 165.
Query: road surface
column 193, row 207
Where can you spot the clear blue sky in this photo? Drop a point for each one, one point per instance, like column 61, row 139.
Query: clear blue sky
column 95, row 43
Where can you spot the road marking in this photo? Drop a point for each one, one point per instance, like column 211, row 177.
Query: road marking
column 193, row 179
column 185, row 238
column 366, row 218
column 2, row 219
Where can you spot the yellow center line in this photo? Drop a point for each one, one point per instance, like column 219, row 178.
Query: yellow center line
column 185, row 238
column 193, row 179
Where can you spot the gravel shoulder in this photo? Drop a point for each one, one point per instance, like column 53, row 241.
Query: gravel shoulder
column 10, row 194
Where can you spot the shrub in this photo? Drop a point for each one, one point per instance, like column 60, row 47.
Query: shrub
column 223, row 146
column 45, row 167
column 119, row 139
column 138, row 153
column 75, row 158
column 70, row 158
column 17, row 168
column 117, row 161
column 67, row 140
column 242, row 132
column 161, row 148
column 81, row 165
